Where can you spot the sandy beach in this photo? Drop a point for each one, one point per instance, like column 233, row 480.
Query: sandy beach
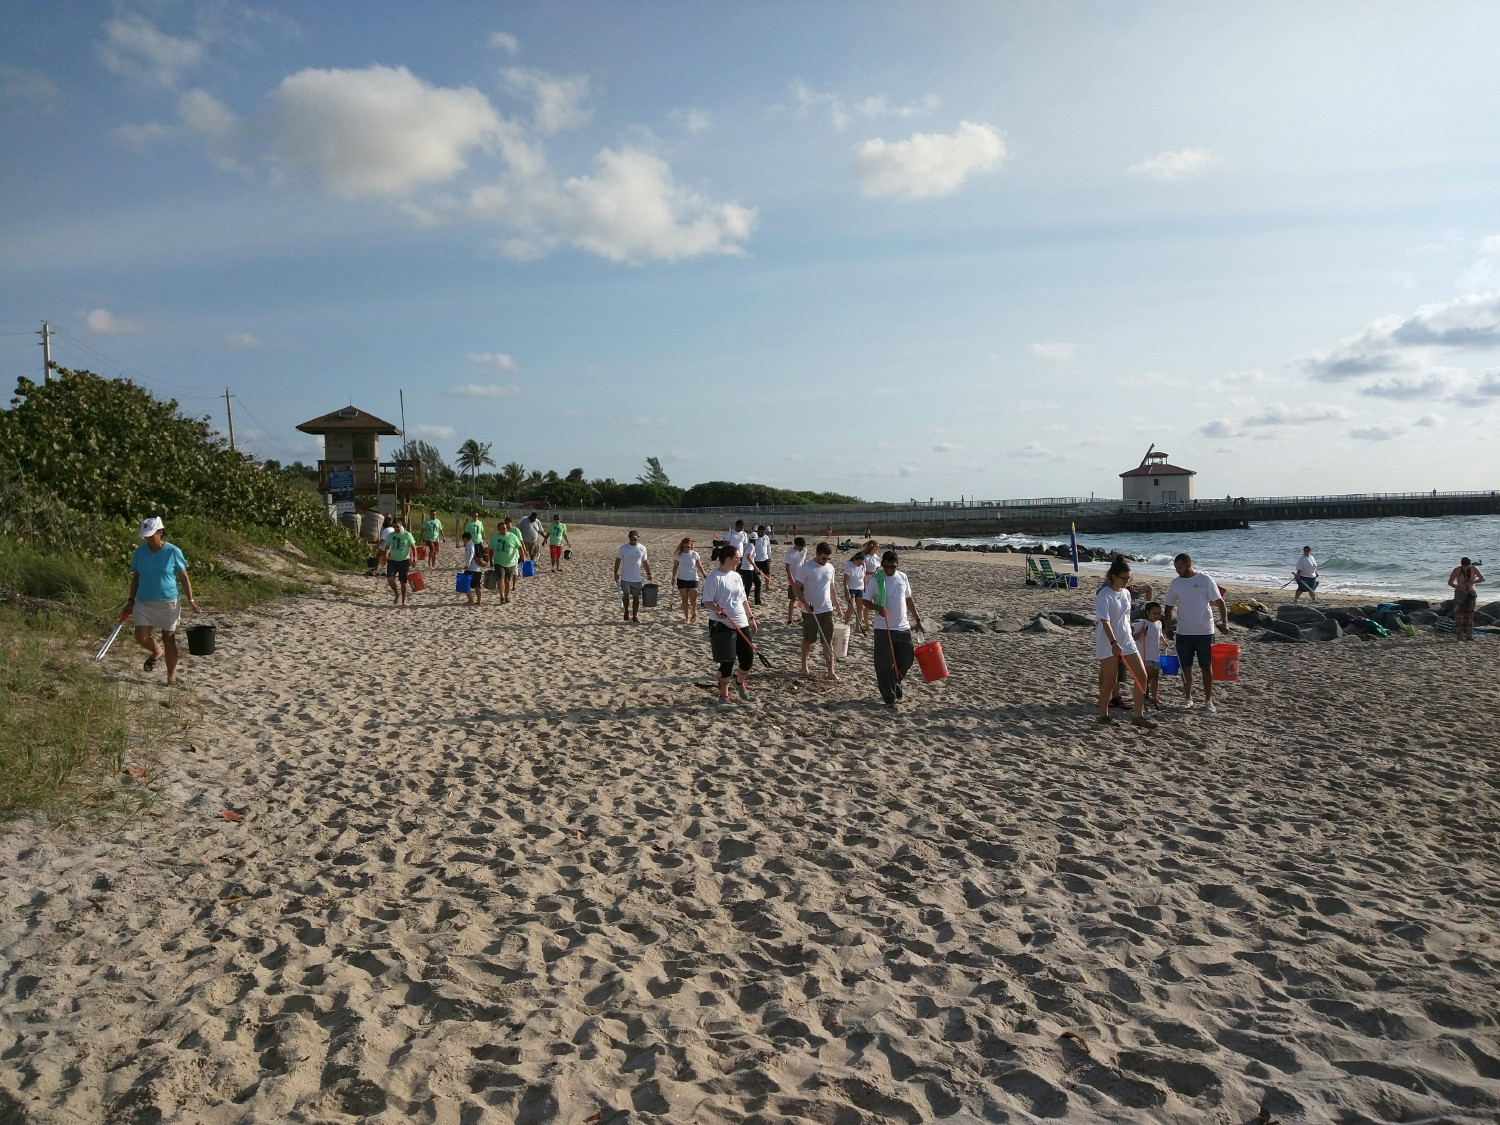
column 515, row 864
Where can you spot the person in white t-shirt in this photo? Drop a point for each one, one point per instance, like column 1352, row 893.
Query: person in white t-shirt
column 892, row 610
column 1305, row 574
column 1113, row 642
column 1147, row 634
column 687, row 568
column 632, row 571
column 819, row 598
column 1195, row 596
column 730, row 622
column 854, row 589
column 791, row 564
column 761, row 544
column 472, row 559
column 738, row 538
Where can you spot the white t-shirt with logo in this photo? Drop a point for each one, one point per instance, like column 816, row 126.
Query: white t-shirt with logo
column 1112, row 606
column 1193, row 598
column 817, row 585
column 897, row 590
column 854, row 574
column 631, row 556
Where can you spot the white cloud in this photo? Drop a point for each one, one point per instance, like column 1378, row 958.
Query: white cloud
column 497, row 360
column 880, row 106
column 105, row 323
column 695, row 121
column 652, row 423
column 1250, row 378
column 927, row 165
column 1054, row 351
column 505, row 41
column 377, row 131
column 481, row 390
column 142, row 136
column 205, row 115
column 1468, row 323
column 1220, row 428
column 630, row 210
column 558, row 103
column 1436, row 384
column 1387, row 432
column 1430, row 421
column 1484, row 273
column 1173, row 165
column 429, row 430
column 1279, row 414
column 242, row 342
column 17, row 84
column 133, row 49
column 1032, row 451
column 806, row 100
column 947, row 447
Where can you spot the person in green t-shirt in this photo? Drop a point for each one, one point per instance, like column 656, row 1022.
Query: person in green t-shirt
column 398, row 550
column 475, row 528
column 557, row 538
column 506, row 551
column 432, row 536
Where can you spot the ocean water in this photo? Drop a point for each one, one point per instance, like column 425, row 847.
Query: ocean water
column 1385, row 557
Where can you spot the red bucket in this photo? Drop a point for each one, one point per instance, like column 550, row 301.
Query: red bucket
column 930, row 660
column 1226, row 661
column 415, row 580
column 421, row 554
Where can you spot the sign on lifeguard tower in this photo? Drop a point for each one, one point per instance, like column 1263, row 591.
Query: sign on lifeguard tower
column 341, row 483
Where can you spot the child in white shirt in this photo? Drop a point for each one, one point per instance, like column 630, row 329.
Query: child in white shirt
column 1147, row 634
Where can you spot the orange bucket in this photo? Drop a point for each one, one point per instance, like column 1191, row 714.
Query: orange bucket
column 415, row 580
column 930, row 660
column 1226, row 661
column 421, row 554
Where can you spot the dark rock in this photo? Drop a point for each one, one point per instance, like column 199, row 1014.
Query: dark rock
column 1273, row 635
column 980, row 615
column 1421, row 617
column 1326, row 631
column 1041, row 624
column 1072, row 617
column 1409, row 604
column 1006, row 625
column 964, row 626
column 1342, row 616
column 1255, row 619
column 1286, row 629
column 1490, row 609
column 1300, row 614
column 1056, row 619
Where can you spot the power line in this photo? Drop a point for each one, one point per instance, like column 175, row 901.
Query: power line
column 120, row 368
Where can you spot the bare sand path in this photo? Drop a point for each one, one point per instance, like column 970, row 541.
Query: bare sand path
column 514, row 864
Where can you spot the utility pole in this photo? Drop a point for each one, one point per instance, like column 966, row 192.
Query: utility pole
column 46, row 335
column 229, row 410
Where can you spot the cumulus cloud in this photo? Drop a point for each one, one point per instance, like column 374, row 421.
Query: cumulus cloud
column 557, row 102
column 1275, row 416
column 1032, row 451
column 1485, row 273
column 1173, row 165
column 499, row 361
column 105, row 323
column 481, row 390
column 1468, row 323
column 1430, row 421
column 629, row 210
column 1054, row 351
column 505, row 41
column 205, row 115
column 1387, row 432
column 1249, row 378
column 135, row 50
column 693, row 120
column 1433, row 385
column 927, row 165
column 432, row 431
column 947, row 447
column 242, row 342
column 377, row 131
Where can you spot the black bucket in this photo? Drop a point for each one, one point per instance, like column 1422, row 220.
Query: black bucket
column 648, row 595
column 201, row 639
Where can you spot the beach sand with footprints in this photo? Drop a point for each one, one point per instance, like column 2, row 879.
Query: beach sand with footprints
column 514, row 864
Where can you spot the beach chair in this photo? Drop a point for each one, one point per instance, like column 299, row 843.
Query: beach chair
column 1042, row 574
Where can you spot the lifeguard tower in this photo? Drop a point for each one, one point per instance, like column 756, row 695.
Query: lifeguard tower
column 351, row 464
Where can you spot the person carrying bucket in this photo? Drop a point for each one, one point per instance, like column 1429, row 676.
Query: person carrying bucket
column 730, row 622
column 155, row 569
column 557, row 539
column 892, row 612
column 398, row 549
column 473, row 564
column 819, row 598
column 1114, row 644
column 632, row 571
column 506, row 549
column 432, row 537
column 1194, row 595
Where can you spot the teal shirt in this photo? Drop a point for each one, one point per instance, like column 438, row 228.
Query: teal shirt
column 506, row 548
column 158, row 570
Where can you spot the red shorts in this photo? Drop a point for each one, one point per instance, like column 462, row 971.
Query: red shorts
column 556, row 552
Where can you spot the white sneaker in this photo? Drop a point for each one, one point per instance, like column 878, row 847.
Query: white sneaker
column 1187, row 704
column 1209, row 705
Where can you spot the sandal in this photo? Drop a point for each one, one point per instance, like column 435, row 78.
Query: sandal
column 151, row 660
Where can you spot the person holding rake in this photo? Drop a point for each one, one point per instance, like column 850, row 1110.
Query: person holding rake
column 892, row 611
column 729, row 622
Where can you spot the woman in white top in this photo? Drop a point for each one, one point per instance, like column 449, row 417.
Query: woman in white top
column 473, row 561
column 1114, row 642
column 729, row 621
column 687, row 568
column 854, row 589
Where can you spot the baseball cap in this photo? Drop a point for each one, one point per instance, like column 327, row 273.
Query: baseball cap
column 151, row 525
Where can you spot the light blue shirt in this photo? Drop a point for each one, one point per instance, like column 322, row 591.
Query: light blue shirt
column 158, row 571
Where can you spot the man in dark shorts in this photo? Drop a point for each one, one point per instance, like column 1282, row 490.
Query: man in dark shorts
column 1195, row 596
column 398, row 560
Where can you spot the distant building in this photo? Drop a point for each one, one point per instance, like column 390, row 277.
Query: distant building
column 1156, row 481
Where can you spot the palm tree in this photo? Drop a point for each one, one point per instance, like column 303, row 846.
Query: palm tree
column 473, row 456
column 512, row 476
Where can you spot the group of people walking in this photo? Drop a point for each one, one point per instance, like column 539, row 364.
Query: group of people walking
column 502, row 553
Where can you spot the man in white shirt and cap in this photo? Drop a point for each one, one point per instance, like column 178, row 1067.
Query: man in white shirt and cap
column 1305, row 574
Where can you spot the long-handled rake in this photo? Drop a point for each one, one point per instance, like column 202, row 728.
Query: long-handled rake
column 115, row 632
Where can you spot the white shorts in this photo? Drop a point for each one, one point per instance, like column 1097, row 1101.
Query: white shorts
column 1102, row 651
column 157, row 615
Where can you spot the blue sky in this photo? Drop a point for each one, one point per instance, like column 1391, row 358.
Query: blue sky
column 890, row 249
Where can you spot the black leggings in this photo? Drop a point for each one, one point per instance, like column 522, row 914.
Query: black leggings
column 720, row 644
column 751, row 580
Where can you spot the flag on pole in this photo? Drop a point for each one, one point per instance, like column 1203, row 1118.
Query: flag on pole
column 1073, row 542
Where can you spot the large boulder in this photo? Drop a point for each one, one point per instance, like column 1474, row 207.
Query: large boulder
column 1006, row 625
column 1342, row 616
column 1041, row 624
column 1273, row 635
column 1255, row 619
column 964, row 625
column 1409, row 604
column 1326, row 631
column 982, row 616
column 1287, row 629
column 1072, row 617
column 1301, row 614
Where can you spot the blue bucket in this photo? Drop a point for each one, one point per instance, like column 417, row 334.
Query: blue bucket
column 462, row 581
column 528, row 568
column 1168, row 664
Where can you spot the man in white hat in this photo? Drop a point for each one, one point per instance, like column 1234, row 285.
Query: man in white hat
column 155, row 569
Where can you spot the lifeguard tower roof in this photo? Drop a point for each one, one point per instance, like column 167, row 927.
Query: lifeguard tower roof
column 350, row 419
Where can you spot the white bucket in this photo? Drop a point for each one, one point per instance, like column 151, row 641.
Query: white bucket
column 840, row 639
